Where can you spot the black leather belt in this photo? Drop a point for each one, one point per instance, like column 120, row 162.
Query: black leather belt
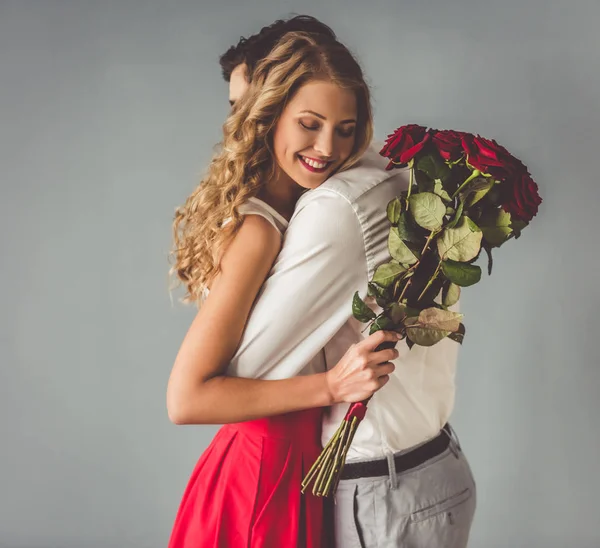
column 404, row 462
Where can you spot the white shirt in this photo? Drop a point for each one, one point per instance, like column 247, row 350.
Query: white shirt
column 302, row 321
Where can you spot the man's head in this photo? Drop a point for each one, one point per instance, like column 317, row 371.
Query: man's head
column 239, row 61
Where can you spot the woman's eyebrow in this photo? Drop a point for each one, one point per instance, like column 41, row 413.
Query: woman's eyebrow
column 348, row 121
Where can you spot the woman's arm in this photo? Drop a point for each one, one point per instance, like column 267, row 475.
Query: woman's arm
column 199, row 393
column 357, row 376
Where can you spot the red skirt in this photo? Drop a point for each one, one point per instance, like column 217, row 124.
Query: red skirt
column 245, row 488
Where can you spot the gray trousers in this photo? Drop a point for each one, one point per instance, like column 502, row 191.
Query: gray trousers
column 429, row 506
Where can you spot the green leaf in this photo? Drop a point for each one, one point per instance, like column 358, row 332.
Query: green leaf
column 488, row 250
column 386, row 274
column 459, row 335
column 435, row 318
column 433, row 168
column 374, row 290
column 450, row 294
column 461, row 243
column 406, row 230
column 425, row 337
column 517, row 225
column 428, row 210
column 399, row 250
column 381, row 323
column 415, row 248
column 412, row 312
column 482, row 183
column 424, row 183
column 462, row 274
column 396, row 312
column 381, row 294
column 426, row 164
column 457, row 215
column 432, row 325
column 480, row 189
column 360, row 310
column 394, row 208
column 496, row 226
column 433, row 185
column 439, row 190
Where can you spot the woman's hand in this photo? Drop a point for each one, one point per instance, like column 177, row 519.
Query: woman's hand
column 362, row 370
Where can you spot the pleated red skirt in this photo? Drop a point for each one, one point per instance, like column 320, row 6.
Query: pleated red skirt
column 245, row 489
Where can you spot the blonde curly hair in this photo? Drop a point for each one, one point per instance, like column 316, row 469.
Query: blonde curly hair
column 245, row 161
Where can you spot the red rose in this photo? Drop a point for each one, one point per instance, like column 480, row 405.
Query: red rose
column 489, row 157
column 402, row 145
column 449, row 143
column 521, row 198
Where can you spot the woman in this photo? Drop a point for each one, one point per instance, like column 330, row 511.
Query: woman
column 305, row 116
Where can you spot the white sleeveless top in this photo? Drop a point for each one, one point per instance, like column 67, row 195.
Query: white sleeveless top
column 254, row 206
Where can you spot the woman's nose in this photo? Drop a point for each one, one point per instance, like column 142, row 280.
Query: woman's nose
column 324, row 145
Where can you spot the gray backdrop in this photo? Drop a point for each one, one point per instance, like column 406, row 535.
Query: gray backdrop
column 108, row 114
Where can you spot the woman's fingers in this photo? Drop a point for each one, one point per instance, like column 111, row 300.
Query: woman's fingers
column 382, row 356
column 386, row 368
column 379, row 337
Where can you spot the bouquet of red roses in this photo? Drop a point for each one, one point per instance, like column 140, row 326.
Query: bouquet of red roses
column 466, row 194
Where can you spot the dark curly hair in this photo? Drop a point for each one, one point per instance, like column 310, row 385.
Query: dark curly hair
column 253, row 49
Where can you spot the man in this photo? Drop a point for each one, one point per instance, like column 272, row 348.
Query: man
column 406, row 481
column 239, row 61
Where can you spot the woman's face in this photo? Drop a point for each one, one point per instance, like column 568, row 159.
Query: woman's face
column 315, row 134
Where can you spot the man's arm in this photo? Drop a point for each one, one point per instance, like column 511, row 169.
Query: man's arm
column 308, row 296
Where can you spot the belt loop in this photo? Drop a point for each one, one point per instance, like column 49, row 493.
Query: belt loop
column 455, row 436
column 392, row 470
column 454, row 444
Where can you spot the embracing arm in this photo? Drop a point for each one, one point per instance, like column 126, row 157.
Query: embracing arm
column 217, row 328
column 198, row 390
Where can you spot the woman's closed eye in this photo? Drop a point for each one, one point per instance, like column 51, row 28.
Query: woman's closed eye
column 309, row 127
column 346, row 133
